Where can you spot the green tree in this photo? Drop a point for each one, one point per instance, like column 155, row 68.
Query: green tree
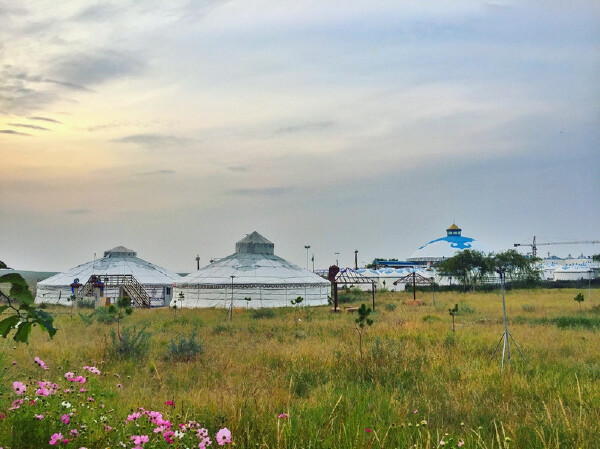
column 468, row 266
column 2, row 265
column 23, row 314
column 579, row 298
column 362, row 321
column 518, row 267
column 596, row 257
column 453, row 312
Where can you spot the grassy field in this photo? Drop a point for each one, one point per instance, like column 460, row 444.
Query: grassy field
column 417, row 385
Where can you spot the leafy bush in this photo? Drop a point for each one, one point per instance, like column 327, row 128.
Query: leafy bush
column 103, row 315
column 185, row 349
column 262, row 313
column 131, row 344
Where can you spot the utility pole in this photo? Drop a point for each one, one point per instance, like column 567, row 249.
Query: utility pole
column 356, row 259
column 198, row 262
column 337, row 263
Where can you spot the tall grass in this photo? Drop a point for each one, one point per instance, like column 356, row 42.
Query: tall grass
column 253, row 369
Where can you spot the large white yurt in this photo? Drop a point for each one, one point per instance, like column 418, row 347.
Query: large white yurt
column 119, row 261
column 573, row 273
column 446, row 247
column 255, row 272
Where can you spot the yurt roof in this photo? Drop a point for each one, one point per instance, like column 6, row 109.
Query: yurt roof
column 255, row 263
column 119, row 260
column 448, row 246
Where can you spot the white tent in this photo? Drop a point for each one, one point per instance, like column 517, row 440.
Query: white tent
column 254, row 272
column 573, row 273
column 157, row 281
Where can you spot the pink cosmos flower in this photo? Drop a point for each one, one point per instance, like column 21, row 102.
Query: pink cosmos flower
column 56, row 439
column 368, row 430
column 74, row 432
column 40, row 416
column 223, row 436
column 284, row 416
column 40, row 362
column 461, row 443
column 134, row 416
column 16, row 404
column 442, row 443
column 66, row 419
column 15, row 362
column 119, row 386
column 69, row 375
column 82, row 390
column 91, row 399
column 170, row 403
column 42, row 392
column 67, row 390
column 416, row 411
column 167, row 436
column 139, row 440
column 19, row 387
column 91, row 369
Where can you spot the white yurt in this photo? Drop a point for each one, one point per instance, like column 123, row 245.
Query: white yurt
column 120, row 261
column 446, row 247
column 573, row 273
column 255, row 272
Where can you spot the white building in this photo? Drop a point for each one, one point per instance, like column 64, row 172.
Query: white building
column 120, row 261
column 255, row 272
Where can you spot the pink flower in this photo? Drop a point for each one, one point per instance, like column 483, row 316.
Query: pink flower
column 170, row 403
column 416, row 411
column 74, row 432
column 119, row 386
column 368, row 430
column 134, row 416
column 67, row 390
column 167, row 436
column 42, row 392
column 40, row 362
column 82, row 390
column 55, row 439
column 19, row 387
column 461, row 443
column 65, row 419
column 223, row 436
column 442, row 443
column 15, row 362
column 40, row 416
column 91, row 369
column 91, row 399
column 16, row 404
column 69, row 375
column 139, row 440
column 284, row 416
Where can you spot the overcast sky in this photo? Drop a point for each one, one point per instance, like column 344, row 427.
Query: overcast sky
column 371, row 125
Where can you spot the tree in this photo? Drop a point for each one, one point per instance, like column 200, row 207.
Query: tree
column 453, row 312
column 2, row 265
column 362, row 320
column 596, row 257
column 24, row 315
column 579, row 298
column 518, row 267
column 296, row 302
column 468, row 266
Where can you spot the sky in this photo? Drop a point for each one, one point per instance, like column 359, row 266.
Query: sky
column 176, row 128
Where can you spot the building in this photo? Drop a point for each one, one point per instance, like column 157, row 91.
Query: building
column 252, row 277
column 118, row 264
column 445, row 247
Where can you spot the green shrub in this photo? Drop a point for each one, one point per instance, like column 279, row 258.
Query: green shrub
column 185, row 349
column 390, row 307
column 262, row 313
column 131, row 344
column 431, row 318
column 103, row 315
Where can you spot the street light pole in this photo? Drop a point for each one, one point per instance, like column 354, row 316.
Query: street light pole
column 337, row 263
column 307, row 247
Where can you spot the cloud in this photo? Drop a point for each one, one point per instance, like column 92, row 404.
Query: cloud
column 152, row 140
column 96, row 67
column 77, row 211
column 16, row 133
column 305, row 127
column 44, row 119
column 156, row 172
column 22, row 125
column 267, row 191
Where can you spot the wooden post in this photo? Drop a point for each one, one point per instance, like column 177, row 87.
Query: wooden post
column 335, row 297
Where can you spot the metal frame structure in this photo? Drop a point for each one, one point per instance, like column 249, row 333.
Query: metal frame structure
column 349, row 276
column 417, row 279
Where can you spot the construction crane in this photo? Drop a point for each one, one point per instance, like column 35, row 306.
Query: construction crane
column 534, row 245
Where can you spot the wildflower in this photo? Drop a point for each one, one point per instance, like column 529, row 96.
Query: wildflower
column 16, row 404
column 91, row 399
column 442, row 442
column 167, row 436
column 461, row 443
column 65, row 404
column 223, row 436
column 14, row 363
column 56, row 439
column 119, row 386
column 82, row 390
column 368, row 430
column 65, row 419
column 133, row 417
column 67, row 390
column 170, row 403
column 40, row 362
column 40, row 416
column 19, row 387
column 69, row 375
column 284, row 416
column 139, row 440
column 74, row 432
column 416, row 411
column 423, row 423
column 91, row 369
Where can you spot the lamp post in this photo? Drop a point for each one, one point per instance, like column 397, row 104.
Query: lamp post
column 591, row 273
column 231, row 305
column 307, row 247
column 313, row 261
column 198, row 262
column 356, row 259
column 337, row 263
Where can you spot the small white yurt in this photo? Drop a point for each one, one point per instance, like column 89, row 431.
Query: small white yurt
column 255, row 272
column 119, row 261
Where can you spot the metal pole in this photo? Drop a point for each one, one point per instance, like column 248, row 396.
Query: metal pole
column 502, row 272
column 231, row 305
column 373, row 289
column 198, row 262
column 414, row 287
column 313, row 261
column 337, row 263
column 356, row 260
